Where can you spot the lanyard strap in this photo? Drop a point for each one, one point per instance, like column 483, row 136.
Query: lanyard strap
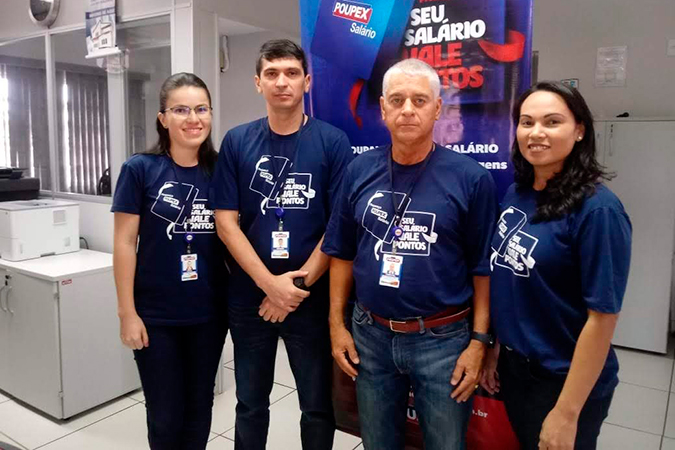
column 277, row 171
column 184, row 200
column 398, row 210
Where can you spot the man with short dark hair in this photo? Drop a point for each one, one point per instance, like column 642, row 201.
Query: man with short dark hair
column 275, row 183
column 411, row 230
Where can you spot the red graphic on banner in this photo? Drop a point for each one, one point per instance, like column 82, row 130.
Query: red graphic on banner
column 509, row 52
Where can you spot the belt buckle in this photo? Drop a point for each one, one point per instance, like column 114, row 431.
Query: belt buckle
column 391, row 325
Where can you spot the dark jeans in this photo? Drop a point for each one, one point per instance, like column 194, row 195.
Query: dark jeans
column 306, row 335
column 178, row 372
column 390, row 363
column 530, row 393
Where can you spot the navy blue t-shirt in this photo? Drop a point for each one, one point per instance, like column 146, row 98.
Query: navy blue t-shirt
column 547, row 275
column 165, row 194
column 245, row 180
column 447, row 227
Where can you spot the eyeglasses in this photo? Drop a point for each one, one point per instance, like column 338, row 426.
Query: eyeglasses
column 184, row 111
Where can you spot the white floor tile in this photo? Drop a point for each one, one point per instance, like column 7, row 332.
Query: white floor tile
column 284, row 430
column 10, row 441
column 668, row 444
column 670, row 418
column 345, row 441
column 224, row 404
column 32, row 430
column 645, row 369
column 125, row 430
column 220, row 443
column 3, row 398
column 228, row 350
column 618, row 438
column 639, row 408
column 138, row 395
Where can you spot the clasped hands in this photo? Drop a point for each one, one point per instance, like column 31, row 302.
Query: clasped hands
column 282, row 296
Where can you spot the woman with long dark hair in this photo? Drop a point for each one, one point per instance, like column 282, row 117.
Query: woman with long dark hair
column 560, row 262
column 169, row 267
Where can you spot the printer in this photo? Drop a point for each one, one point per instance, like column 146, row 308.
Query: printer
column 34, row 228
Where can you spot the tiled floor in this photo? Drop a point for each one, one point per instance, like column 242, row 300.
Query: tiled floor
column 642, row 416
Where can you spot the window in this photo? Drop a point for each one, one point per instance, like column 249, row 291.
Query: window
column 84, row 115
column 24, row 134
column 84, row 87
column 147, row 44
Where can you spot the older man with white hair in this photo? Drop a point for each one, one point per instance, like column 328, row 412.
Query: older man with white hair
column 428, row 212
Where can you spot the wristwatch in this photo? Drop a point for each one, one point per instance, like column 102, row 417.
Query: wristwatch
column 485, row 338
column 299, row 282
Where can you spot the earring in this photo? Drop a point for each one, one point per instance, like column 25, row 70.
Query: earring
column 579, row 138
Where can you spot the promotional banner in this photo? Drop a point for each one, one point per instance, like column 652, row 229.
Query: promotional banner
column 480, row 48
column 100, row 28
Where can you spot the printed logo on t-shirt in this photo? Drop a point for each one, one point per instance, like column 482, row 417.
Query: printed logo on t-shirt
column 514, row 247
column 297, row 189
column 417, row 226
column 178, row 203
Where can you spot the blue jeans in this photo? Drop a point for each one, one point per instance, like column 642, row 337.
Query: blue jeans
column 306, row 335
column 178, row 373
column 390, row 363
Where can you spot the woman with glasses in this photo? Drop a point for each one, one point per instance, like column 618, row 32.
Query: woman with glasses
column 169, row 268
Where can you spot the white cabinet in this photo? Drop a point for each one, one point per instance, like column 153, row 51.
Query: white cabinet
column 59, row 339
column 642, row 153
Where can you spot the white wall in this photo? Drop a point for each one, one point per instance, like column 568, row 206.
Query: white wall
column 568, row 33
column 239, row 100
column 96, row 226
column 278, row 15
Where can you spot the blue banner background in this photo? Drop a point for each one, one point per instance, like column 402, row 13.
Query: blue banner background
column 481, row 49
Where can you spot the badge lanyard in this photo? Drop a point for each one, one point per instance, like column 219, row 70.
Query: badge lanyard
column 188, row 261
column 189, row 236
column 397, row 231
column 279, row 211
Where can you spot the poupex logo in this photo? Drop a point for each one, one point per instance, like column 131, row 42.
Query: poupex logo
column 357, row 12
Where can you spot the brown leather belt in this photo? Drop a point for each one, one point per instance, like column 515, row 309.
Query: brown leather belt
column 450, row 315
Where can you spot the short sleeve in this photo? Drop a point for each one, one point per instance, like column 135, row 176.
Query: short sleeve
column 129, row 189
column 604, row 247
column 342, row 156
column 225, row 187
column 341, row 233
column 483, row 211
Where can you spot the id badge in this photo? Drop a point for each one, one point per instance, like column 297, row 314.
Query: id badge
column 390, row 273
column 281, row 241
column 188, row 267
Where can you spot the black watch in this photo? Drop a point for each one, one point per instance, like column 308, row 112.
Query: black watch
column 299, row 282
column 485, row 338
